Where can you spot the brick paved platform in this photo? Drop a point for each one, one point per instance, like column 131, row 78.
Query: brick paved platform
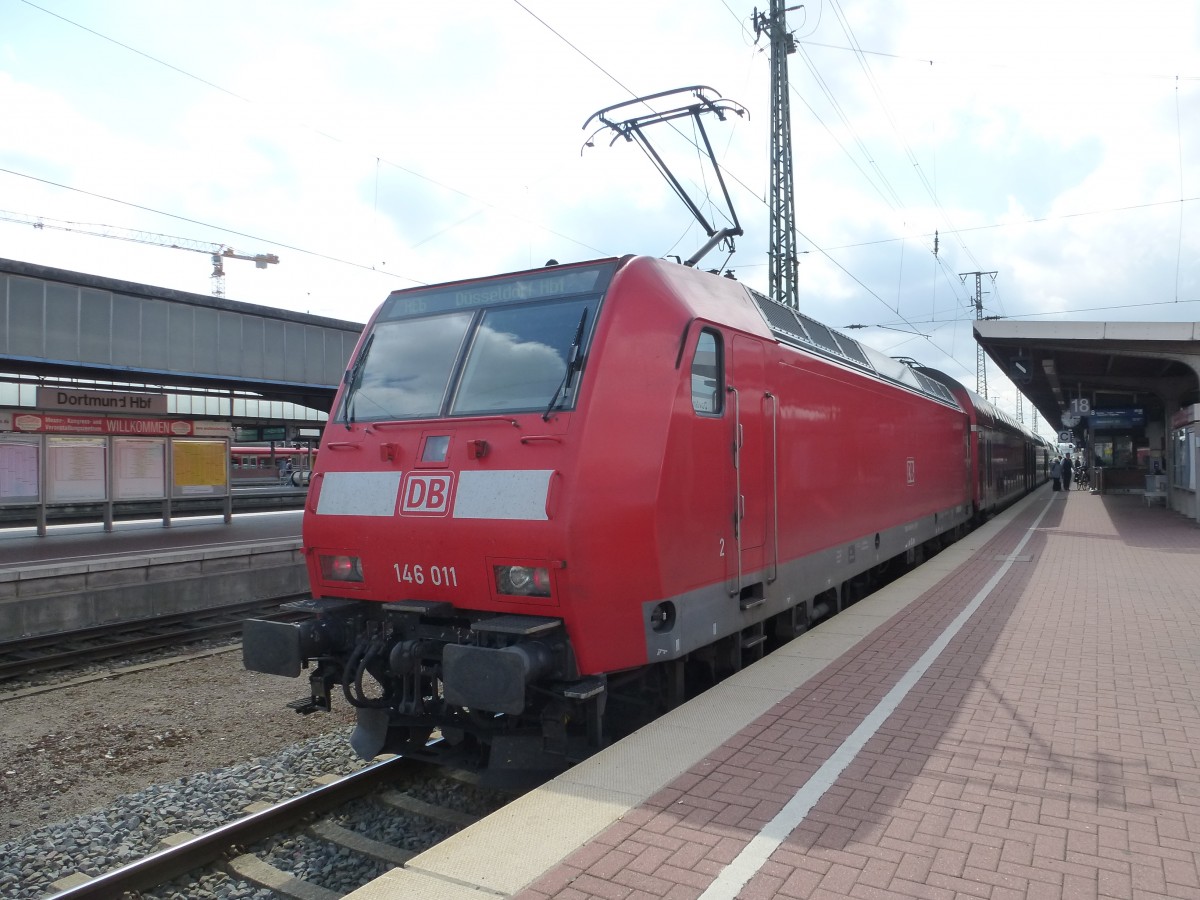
column 1047, row 745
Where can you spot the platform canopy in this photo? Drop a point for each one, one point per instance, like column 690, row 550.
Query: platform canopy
column 1152, row 365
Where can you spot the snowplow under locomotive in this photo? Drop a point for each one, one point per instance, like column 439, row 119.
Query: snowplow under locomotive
column 546, row 500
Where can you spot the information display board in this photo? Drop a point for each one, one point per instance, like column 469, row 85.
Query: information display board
column 199, row 468
column 75, row 469
column 20, row 469
column 139, row 469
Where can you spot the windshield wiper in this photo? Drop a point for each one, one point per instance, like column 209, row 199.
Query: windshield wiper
column 352, row 379
column 574, row 364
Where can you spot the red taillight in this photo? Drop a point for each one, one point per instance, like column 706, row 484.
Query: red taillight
column 341, row 568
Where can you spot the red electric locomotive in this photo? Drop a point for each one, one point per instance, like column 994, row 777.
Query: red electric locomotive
column 547, row 499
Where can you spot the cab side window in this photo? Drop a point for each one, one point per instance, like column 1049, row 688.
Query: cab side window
column 708, row 374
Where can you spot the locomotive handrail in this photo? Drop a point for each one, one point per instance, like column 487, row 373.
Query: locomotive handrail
column 552, row 494
column 341, row 445
column 529, row 438
column 310, row 502
column 507, row 419
column 774, row 481
column 739, row 509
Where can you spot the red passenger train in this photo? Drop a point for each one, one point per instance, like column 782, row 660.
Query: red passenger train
column 263, row 465
column 546, row 501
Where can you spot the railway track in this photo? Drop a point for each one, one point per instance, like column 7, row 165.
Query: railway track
column 319, row 814
column 30, row 657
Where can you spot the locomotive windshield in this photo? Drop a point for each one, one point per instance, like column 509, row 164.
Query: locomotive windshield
column 502, row 346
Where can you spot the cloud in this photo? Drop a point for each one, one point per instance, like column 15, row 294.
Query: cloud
column 375, row 146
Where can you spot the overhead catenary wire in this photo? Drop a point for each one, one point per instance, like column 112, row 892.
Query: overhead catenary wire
column 908, row 151
column 442, row 185
column 317, row 131
column 1052, row 312
column 379, row 159
column 207, row 225
column 864, row 64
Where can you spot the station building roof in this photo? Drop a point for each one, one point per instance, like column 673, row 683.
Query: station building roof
column 72, row 325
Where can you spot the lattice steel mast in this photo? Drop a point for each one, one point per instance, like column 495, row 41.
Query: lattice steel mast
column 980, row 357
column 782, row 257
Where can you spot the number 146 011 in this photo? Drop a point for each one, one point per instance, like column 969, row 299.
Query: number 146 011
column 438, row 576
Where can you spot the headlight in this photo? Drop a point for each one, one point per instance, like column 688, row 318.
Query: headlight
column 522, row 581
column 341, row 568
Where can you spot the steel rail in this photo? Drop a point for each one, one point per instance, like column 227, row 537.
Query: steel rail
column 195, row 853
column 48, row 652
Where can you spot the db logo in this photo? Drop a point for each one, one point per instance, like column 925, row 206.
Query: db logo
column 426, row 494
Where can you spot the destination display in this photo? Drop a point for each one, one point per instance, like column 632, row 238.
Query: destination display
column 1117, row 418
column 551, row 283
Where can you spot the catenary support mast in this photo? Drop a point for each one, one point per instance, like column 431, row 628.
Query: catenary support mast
column 782, row 252
column 980, row 357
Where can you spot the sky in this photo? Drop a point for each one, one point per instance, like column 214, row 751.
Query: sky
column 376, row 146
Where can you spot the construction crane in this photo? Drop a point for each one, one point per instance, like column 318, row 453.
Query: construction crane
column 218, row 252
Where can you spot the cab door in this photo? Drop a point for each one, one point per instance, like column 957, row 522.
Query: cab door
column 751, row 500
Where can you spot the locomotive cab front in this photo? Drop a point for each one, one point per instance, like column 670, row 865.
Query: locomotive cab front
column 437, row 562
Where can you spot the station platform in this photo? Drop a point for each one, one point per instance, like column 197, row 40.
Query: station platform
column 1018, row 718
column 80, row 576
column 88, row 541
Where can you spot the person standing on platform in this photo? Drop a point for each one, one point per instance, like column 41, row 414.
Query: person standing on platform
column 1066, row 472
column 1056, row 472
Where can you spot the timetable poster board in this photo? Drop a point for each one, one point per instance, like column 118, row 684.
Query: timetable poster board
column 199, row 468
column 75, row 469
column 139, row 469
column 20, row 469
